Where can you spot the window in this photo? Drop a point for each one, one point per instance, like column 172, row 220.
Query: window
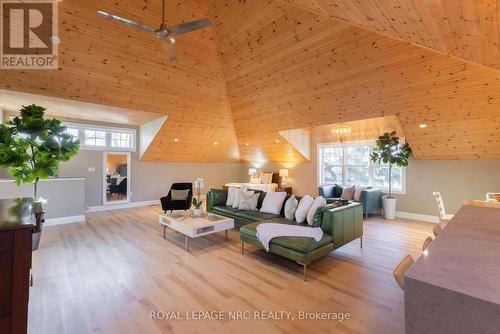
column 331, row 167
column 350, row 164
column 73, row 132
column 358, row 164
column 95, row 138
column 120, row 140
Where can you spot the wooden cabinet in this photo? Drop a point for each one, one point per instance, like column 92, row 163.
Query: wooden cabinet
column 15, row 266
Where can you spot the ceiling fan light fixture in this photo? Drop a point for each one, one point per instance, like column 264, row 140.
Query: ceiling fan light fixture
column 165, row 33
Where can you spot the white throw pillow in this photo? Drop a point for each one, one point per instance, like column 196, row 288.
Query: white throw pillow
column 179, row 195
column 304, row 205
column 248, row 200
column 348, row 192
column 318, row 202
column 230, row 195
column 237, row 197
column 357, row 193
column 291, row 207
column 273, row 202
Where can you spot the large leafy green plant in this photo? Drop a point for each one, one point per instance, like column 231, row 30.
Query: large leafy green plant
column 390, row 151
column 32, row 146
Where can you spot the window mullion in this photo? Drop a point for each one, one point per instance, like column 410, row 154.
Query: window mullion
column 344, row 167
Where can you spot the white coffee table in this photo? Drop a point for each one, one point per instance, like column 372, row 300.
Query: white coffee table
column 195, row 227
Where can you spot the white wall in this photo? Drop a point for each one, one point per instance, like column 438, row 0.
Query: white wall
column 149, row 180
column 64, row 195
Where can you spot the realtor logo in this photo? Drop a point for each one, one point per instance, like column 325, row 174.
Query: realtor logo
column 29, row 35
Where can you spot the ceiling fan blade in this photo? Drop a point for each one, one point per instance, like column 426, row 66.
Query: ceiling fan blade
column 189, row 26
column 125, row 21
column 169, row 47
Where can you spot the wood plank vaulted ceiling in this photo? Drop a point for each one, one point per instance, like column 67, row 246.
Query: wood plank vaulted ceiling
column 268, row 66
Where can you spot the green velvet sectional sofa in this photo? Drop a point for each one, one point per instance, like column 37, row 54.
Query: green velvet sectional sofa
column 340, row 223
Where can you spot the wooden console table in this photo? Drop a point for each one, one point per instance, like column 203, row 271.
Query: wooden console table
column 16, row 230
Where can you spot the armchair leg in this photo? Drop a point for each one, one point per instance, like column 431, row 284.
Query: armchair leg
column 361, row 240
column 242, row 247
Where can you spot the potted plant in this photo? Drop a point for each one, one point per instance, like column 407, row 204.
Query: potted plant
column 32, row 147
column 198, row 210
column 389, row 150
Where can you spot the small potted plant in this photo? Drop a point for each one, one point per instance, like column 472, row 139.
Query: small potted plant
column 390, row 151
column 32, row 147
column 198, row 210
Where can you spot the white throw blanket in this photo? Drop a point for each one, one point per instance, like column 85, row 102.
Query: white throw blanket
column 268, row 231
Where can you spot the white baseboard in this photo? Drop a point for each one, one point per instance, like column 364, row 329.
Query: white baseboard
column 121, row 206
column 417, row 216
column 64, row 220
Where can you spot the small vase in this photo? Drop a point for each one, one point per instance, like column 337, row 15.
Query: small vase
column 198, row 212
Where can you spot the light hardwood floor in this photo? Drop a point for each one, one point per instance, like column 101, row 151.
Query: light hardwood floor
column 107, row 275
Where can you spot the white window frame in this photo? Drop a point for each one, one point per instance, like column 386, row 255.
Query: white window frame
column 344, row 146
column 94, row 137
column 109, row 130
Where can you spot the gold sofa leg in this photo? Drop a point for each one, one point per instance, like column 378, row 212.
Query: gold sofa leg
column 242, row 247
column 305, row 270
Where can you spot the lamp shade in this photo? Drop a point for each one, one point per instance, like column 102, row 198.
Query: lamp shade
column 283, row 172
column 252, row 171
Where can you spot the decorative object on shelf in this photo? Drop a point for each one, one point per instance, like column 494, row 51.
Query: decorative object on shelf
column 32, row 147
column 197, row 202
column 389, row 150
column 252, row 171
column 283, row 175
column 342, row 133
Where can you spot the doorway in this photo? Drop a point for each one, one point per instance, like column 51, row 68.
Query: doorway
column 116, row 181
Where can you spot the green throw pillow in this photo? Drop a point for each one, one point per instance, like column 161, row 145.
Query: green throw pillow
column 179, row 195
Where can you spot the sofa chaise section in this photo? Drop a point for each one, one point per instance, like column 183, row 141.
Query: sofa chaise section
column 340, row 225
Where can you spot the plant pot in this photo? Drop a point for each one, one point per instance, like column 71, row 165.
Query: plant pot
column 37, row 232
column 198, row 212
column 389, row 206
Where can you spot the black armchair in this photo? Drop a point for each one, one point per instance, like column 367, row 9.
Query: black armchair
column 120, row 189
column 168, row 204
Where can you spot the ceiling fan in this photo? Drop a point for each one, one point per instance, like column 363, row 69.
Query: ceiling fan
column 165, row 34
